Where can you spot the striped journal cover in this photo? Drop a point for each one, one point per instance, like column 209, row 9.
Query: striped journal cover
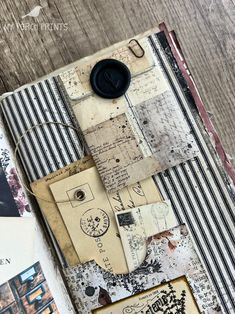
column 45, row 148
column 201, row 193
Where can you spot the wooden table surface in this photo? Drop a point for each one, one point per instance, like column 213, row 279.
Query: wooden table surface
column 205, row 29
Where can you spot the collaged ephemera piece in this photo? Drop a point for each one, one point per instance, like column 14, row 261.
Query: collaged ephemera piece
column 172, row 297
column 50, row 210
column 93, row 110
column 151, row 137
column 91, row 221
column 136, row 225
column 137, row 135
column 170, row 255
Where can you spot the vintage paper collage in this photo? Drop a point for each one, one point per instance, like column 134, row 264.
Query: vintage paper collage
column 173, row 297
column 123, row 247
column 129, row 137
column 170, row 255
column 91, row 221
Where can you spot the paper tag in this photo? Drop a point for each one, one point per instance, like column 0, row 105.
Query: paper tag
column 50, row 210
column 91, row 222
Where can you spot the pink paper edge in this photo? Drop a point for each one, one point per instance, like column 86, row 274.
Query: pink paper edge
column 178, row 55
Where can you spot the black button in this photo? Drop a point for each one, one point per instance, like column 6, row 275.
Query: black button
column 110, row 78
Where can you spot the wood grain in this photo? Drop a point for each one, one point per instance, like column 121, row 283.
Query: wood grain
column 205, row 29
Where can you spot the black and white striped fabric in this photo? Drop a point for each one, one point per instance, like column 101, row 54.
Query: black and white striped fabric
column 201, row 199
column 49, row 147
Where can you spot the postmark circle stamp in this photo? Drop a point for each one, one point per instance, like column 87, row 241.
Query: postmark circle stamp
column 95, row 222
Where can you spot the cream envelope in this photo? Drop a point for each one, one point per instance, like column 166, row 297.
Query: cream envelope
column 16, row 245
column 137, row 224
column 89, row 215
column 172, row 297
column 50, row 210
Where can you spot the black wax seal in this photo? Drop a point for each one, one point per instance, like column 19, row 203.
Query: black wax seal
column 110, row 78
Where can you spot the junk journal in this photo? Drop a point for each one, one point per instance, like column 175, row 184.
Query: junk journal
column 136, row 200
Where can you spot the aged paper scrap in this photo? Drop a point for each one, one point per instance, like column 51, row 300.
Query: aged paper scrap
column 172, row 297
column 137, row 135
column 50, row 210
column 93, row 110
column 91, row 221
column 76, row 81
column 137, row 224
column 151, row 137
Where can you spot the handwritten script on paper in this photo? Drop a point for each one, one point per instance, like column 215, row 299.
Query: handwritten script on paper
column 172, row 297
column 151, row 137
column 91, row 221
column 136, row 225
column 139, row 134
column 117, row 154
column 90, row 111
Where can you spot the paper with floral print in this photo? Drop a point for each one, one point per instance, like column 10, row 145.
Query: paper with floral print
column 13, row 201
